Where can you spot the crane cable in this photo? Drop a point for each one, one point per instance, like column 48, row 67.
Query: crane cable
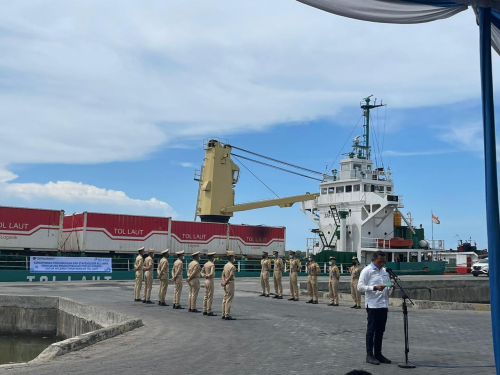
column 276, row 167
column 239, row 161
column 276, row 160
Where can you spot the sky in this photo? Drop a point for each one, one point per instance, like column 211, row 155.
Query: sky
column 104, row 106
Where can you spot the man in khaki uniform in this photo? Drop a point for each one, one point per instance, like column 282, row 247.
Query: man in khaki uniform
column 139, row 263
column 193, row 280
column 228, row 275
column 277, row 276
column 149, row 264
column 264, row 274
column 312, row 280
column 208, row 272
column 295, row 267
column 355, row 271
column 333, row 282
column 163, row 271
column 177, row 279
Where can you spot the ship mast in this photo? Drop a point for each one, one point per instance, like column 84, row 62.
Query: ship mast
column 366, row 107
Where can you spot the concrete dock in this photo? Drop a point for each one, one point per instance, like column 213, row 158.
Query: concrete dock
column 269, row 336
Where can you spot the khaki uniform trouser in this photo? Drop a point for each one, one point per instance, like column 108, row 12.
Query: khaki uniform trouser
column 355, row 293
column 312, row 287
column 163, row 289
column 138, row 284
column 148, row 284
column 264, row 282
column 294, row 288
column 333, row 286
column 228, row 299
column 194, row 289
column 209, row 295
column 177, row 290
column 278, row 286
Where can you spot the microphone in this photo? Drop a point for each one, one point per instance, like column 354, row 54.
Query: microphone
column 391, row 273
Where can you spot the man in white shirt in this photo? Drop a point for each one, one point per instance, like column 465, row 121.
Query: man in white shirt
column 375, row 282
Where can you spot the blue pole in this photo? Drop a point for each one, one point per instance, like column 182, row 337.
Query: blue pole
column 490, row 163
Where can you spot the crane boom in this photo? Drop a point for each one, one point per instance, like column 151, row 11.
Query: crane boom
column 281, row 202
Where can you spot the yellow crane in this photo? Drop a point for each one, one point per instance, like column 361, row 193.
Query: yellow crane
column 217, row 179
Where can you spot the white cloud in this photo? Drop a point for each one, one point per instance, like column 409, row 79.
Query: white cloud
column 67, row 191
column 94, row 81
column 187, row 164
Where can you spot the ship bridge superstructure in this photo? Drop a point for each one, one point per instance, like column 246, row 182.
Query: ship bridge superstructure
column 358, row 209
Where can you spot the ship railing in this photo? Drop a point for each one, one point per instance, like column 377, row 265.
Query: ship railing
column 375, row 243
column 436, row 244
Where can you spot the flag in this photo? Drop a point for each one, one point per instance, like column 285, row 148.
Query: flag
column 435, row 219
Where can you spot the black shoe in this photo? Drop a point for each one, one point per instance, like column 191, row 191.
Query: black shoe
column 144, row 301
column 205, row 313
column 174, row 306
column 163, row 304
column 149, row 302
column 137, row 300
column 211, row 314
column 267, row 295
column 310, row 301
column 223, row 317
column 335, row 304
column 291, row 299
column 179, row 307
column 353, row 307
column 276, row 296
column 230, row 318
column 195, row 310
column 315, row 302
column 189, row 310
column 358, row 307
column 159, row 303
column 330, row 304
column 382, row 359
column 296, row 299
column 372, row 360
column 262, row 295
column 280, row 297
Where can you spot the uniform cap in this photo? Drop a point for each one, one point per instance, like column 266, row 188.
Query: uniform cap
column 229, row 253
column 354, row 258
column 197, row 253
column 140, row 249
column 151, row 250
column 275, row 252
column 179, row 252
column 292, row 252
column 211, row 254
column 166, row 251
column 332, row 258
column 265, row 252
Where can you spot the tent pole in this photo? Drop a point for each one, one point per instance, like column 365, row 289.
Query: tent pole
column 491, row 184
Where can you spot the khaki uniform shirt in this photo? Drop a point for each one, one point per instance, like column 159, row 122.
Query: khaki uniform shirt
column 266, row 265
column 229, row 271
column 139, row 262
column 355, row 272
column 193, row 270
column 163, row 268
column 278, row 265
column 313, row 269
column 177, row 269
column 334, row 272
column 208, row 270
column 295, row 265
column 149, row 263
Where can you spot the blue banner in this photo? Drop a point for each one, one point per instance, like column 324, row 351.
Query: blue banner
column 67, row 264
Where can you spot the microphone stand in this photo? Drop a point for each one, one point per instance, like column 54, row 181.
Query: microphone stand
column 405, row 297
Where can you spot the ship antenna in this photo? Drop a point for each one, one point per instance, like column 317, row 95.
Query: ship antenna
column 366, row 107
